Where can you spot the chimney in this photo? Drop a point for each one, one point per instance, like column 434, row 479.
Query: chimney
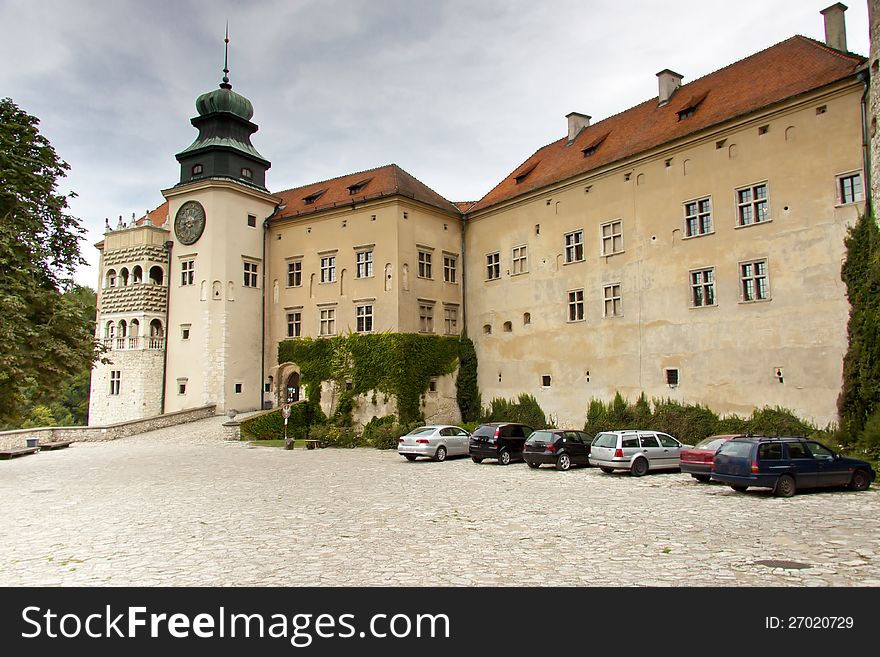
column 670, row 81
column 576, row 123
column 835, row 26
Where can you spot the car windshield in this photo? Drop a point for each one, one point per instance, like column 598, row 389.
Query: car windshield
column 605, row 440
column 421, row 431
column 711, row 443
column 542, row 437
column 736, row 448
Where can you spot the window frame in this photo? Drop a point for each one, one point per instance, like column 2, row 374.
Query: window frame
column 841, row 192
column 616, row 308
column 426, row 316
column 327, row 316
column 754, row 277
column 363, row 259
column 328, row 269
column 187, row 274
column 425, row 267
column 450, row 268
column 294, row 324
column 496, row 265
column 697, row 216
column 702, row 285
column 574, row 246
column 610, row 238
column 251, row 270
column 521, row 259
column 450, row 318
column 115, row 382
column 576, row 306
column 294, row 272
column 362, row 319
column 752, row 204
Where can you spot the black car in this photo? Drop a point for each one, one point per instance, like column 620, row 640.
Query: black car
column 560, row 447
column 787, row 464
column 498, row 440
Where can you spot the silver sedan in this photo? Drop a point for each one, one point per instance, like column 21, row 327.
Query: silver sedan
column 436, row 441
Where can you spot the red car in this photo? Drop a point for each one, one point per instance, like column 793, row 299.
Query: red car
column 697, row 461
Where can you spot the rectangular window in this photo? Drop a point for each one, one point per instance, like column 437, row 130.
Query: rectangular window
column 294, row 324
column 237, row 388
column 252, row 221
column 753, row 279
column 574, row 246
column 753, row 205
column 575, row 305
column 426, row 317
column 250, row 274
column 450, row 319
column 425, row 264
column 698, row 217
column 613, row 307
column 364, row 260
column 364, row 315
column 181, row 387
column 849, row 188
column 493, row 266
column 184, row 331
column 295, row 273
column 187, row 272
column 328, row 322
column 328, row 269
column 449, row 269
column 672, row 377
column 520, row 260
column 115, row 381
column 703, row 288
column 612, row 237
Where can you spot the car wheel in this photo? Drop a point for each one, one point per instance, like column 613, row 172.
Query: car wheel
column 503, row 457
column 606, row 470
column 410, row 457
column 739, row 489
column 440, row 455
column 639, row 467
column 703, row 479
column 563, row 462
column 860, row 480
column 785, row 486
column 534, row 465
column 476, row 459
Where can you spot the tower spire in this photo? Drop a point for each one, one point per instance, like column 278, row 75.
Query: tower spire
column 225, row 84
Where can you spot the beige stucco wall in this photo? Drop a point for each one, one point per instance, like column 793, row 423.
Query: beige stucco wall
column 727, row 354
column 224, row 347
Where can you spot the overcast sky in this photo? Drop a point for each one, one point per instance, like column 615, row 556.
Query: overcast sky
column 457, row 92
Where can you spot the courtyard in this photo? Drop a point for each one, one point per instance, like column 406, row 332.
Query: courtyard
column 181, row 507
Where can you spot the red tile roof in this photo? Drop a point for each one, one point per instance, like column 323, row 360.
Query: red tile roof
column 157, row 217
column 386, row 181
column 789, row 68
column 463, row 206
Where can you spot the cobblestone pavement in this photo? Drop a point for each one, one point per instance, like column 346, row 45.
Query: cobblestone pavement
column 181, row 507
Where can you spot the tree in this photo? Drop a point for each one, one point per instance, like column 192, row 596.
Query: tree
column 45, row 336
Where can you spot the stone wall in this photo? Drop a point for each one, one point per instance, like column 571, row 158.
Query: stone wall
column 874, row 101
column 18, row 438
column 140, row 393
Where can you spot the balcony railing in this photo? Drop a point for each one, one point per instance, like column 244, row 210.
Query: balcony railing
column 132, row 343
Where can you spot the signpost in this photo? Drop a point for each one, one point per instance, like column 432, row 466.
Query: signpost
column 285, row 413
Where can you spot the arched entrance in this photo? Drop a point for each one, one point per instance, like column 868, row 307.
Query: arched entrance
column 291, row 390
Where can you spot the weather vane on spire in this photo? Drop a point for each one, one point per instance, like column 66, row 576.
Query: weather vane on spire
column 225, row 84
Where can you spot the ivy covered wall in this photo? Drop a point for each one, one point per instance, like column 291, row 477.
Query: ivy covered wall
column 396, row 364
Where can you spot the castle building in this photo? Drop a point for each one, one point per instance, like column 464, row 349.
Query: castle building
column 689, row 247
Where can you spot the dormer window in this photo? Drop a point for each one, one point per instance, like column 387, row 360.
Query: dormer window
column 522, row 175
column 247, row 173
column 311, row 198
column 593, row 146
column 358, row 186
column 690, row 107
column 197, row 169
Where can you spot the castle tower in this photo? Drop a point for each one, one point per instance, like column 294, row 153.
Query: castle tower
column 132, row 302
column 216, row 213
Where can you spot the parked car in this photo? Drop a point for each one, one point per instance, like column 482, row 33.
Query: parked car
column 499, row 440
column 560, row 447
column 436, row 441
column 636, row 451
column 786, row 464
column 697, row 460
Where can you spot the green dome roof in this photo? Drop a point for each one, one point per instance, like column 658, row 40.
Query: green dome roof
column 224, row 99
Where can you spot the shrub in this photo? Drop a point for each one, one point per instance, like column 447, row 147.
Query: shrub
column 381, row 432
column 466, row 390
column 689, row 423
column 525, row 410
column 271, row 425
column 333, row 436
column 778, row 422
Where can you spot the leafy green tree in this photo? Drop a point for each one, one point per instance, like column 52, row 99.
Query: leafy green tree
column 45, row 335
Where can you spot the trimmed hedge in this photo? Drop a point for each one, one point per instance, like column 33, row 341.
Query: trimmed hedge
column 525, row 410
column 271, row 425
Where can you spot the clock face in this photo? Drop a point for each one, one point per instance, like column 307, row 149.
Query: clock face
column 189, row 222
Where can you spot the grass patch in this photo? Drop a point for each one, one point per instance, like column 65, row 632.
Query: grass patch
column 276, row 443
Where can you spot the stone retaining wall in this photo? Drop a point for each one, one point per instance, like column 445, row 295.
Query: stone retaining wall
column 18, row 438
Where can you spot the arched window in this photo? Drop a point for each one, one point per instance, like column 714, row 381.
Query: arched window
column 508, row 327
column 123, row 328
column 111, row 278
column 156, row 328
column 110, row 331
column 156, row 275
column 123, row 274
column 291, row 392
column 487, row 329
column 134, row 328
column 527, row 318
column 137, row 275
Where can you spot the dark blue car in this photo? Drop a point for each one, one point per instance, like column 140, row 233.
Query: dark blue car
column 787, row 464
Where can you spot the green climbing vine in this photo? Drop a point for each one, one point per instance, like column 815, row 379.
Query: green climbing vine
column 396, row 364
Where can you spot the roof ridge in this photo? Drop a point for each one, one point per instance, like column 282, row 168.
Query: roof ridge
column 426, row 186
column 334, row 178
column 848, row 54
